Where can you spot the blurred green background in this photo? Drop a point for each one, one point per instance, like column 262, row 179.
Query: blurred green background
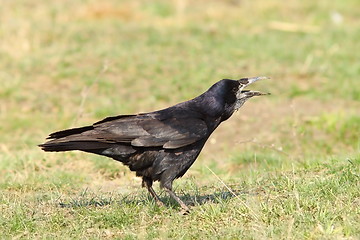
column 69, row 63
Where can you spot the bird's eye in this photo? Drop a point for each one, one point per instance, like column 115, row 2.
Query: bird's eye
column 234, row 90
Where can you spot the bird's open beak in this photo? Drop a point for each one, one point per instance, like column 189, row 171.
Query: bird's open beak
column 247, row 81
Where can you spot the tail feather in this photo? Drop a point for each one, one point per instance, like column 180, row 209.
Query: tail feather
column 60, row 146
column 70, row 139
column 68, row 132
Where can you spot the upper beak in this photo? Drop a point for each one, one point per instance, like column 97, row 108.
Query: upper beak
column 247, row 81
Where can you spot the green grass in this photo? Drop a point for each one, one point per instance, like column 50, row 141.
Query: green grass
column 286, row 166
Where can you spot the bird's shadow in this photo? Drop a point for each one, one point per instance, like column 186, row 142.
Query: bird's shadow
column 89, row 199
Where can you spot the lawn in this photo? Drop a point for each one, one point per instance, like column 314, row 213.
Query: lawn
column 285, row 166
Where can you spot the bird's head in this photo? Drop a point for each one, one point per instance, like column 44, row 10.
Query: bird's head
column 230, row 95
column 226, row 96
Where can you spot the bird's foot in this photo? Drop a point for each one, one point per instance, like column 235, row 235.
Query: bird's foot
column 159, row 203
column 184, row 211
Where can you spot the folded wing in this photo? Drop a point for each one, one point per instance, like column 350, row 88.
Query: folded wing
column 137, row 130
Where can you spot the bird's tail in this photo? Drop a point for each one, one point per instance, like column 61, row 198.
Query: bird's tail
column 72, row 139
column 62, row 146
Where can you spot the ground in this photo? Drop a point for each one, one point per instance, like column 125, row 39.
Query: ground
column 285, row 166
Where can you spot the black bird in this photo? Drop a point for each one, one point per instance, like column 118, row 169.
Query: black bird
column 161, row 145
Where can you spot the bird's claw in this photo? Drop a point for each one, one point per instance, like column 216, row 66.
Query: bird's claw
column 184, row 211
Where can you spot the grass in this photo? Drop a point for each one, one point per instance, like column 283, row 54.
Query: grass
column 284, row 167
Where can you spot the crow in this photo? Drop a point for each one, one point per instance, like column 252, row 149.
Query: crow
column 160, row 145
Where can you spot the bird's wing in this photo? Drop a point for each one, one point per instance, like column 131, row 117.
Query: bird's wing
column 148, row 131
column 171, row 133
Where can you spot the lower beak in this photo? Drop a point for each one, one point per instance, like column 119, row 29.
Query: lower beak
column 254, row 93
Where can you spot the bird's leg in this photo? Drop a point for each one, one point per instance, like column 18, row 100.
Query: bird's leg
column 148, row 184
column 185, row 208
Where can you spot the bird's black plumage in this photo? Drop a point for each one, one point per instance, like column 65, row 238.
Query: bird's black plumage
column 161, row 145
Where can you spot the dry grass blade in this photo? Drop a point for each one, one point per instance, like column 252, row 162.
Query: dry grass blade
column 235, row 195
